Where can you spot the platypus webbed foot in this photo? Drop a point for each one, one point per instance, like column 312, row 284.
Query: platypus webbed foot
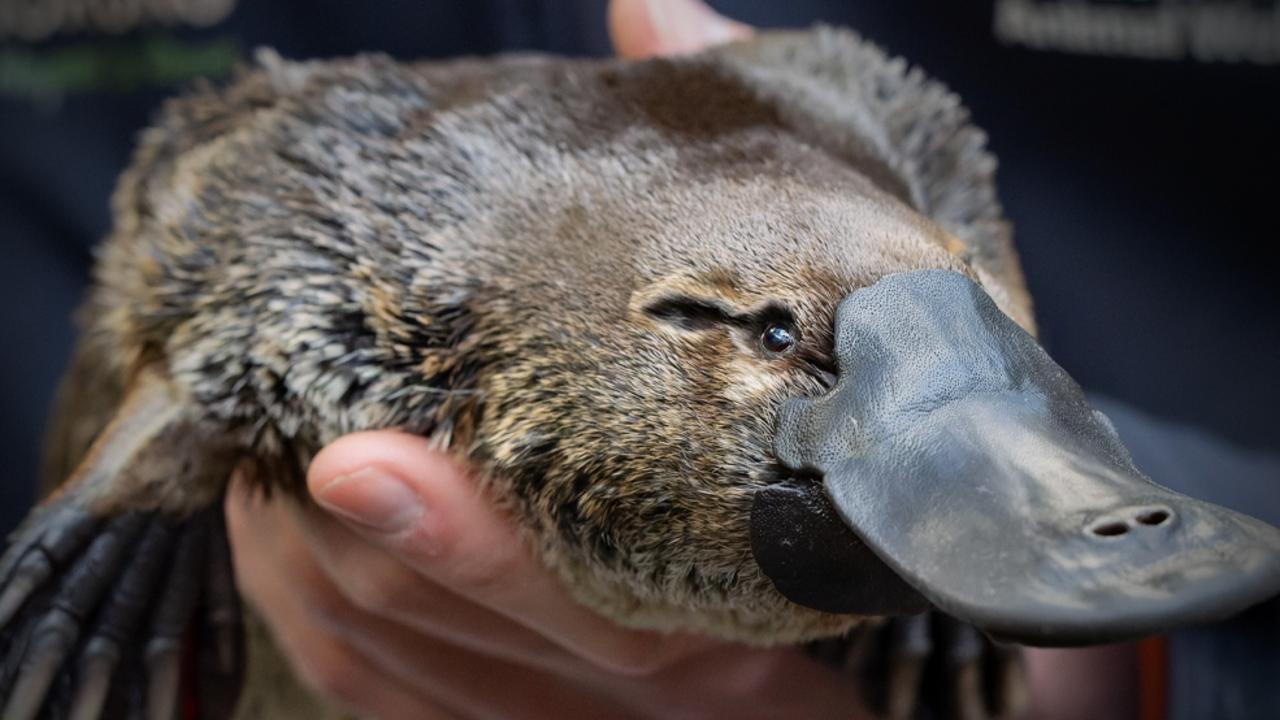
column 933, row 666
column 105, row 586
column 98, row 611
column 930, row 667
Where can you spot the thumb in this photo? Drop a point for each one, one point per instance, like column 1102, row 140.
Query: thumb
column 640, row 28
column 423, row 507
column 382, row 483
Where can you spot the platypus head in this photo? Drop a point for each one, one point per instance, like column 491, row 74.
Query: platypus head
column 645, row 429
column 758, row 361
column 807, row 410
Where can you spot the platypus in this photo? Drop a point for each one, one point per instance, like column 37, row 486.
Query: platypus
column 739, row 338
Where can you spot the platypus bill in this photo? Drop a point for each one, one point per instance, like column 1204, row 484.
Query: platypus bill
column 739, row 337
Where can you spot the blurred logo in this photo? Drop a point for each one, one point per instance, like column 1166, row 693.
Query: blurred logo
column 1203, row 30
column 35, row 20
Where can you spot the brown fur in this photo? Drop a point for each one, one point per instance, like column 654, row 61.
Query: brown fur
column 488, row 253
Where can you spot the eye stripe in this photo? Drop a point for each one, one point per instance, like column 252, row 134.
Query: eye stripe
column 773, row 325
column 689, row 313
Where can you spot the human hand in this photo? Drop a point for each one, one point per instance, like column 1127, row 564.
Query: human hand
column 417, row 599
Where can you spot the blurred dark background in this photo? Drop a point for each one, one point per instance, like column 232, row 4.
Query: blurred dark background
column 1143, row 191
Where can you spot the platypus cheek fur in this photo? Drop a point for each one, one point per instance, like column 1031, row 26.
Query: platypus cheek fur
column 642, row 499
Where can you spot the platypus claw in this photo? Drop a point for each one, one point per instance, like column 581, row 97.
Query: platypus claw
column 109, row 633
column 934, row 667
column 117, row 621
column 45, row 543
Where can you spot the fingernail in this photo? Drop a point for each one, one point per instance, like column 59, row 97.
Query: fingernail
column 372, row 498
column 689, row 25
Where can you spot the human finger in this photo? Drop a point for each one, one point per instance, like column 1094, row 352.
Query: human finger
column 377, row 582
column 276, row 576
column 394, row 490
column 641, row 28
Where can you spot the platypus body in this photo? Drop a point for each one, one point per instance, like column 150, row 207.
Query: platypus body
column 739, row 338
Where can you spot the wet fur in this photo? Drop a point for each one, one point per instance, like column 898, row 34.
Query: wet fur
column 474, row 251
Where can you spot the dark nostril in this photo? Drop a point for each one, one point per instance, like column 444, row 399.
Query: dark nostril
column 1111, row 529
column 1154, row 517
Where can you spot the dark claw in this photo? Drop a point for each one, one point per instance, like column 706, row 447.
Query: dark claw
column 124, row 602
column 125, row 696
column 51, row 641
column 911, row 647
column 89, row 577
column 930, row 667
column 164, row 665
column 965, row 646
column 163, row 653
column 136, row 701
column 60, row 527
column 93, row 679
column 54, row 635
column 1008, row 680
column 31, row 573
column 119, row 619
column 133, row 592
column 222, row 633
column 186, row 574
column 986, row 678
column 222, row 602
column 43, row 544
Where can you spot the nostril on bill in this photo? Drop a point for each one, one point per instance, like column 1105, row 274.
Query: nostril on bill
column 1110, row 529
column 1153, row 517
column 1123, row 520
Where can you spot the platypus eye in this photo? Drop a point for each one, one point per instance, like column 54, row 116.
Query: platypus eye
column 779, row 338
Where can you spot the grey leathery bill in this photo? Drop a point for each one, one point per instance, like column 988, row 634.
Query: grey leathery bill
column 969, row 463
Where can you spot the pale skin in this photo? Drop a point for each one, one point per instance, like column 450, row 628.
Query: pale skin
column 408, row 594
column 445, row 614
